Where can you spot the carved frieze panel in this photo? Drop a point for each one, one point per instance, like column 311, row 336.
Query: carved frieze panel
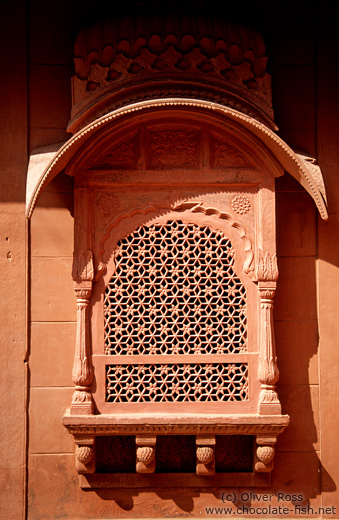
column 173, row 148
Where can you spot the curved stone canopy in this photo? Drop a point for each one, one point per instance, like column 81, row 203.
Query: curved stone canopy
column 47, row 163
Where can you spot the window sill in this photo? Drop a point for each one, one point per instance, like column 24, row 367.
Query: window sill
column 180, row 424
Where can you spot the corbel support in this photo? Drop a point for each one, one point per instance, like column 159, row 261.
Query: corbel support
column 205, row 462
column 145, row 453
column 264, row 452
column 85, row 454
column 268, row 373
column 83, row 274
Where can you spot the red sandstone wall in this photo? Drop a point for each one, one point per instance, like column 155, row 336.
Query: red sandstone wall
column 13, row 154
column 305, row 90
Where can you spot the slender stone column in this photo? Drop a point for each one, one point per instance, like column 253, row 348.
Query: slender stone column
column 83, row 274
column 268, row 373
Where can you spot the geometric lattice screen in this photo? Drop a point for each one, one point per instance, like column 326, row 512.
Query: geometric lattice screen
column 177, row 383
column 175, row 291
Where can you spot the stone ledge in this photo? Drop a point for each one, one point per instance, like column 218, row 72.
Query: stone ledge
column 183, row 424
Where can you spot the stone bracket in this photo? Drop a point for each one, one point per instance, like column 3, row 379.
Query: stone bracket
column 205, row 454
column 85, row 454
column 145, row 453
column 264, row 453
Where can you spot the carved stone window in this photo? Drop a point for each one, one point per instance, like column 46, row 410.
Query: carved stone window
column 175, row 266
column 170, row 303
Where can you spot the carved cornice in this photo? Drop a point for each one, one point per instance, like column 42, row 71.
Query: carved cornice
column 128, row 57
column 168, row 37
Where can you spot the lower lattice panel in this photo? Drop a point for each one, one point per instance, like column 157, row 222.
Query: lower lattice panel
column 177, row 382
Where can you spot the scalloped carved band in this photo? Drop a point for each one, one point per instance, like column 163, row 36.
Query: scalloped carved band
column 212, row 52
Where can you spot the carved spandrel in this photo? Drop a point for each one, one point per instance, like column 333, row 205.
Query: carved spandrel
column 224, row 155
column 124, row 155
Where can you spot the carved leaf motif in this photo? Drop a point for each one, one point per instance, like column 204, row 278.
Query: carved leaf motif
column 83, row 269
column 267, row 267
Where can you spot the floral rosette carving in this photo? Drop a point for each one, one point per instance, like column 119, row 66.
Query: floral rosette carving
column 241, row 204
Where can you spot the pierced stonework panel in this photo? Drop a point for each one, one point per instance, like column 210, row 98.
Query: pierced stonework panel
column 233, row 453
column 175, row 453
column 175, row 291
column 115, row 454
column 177, row 383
